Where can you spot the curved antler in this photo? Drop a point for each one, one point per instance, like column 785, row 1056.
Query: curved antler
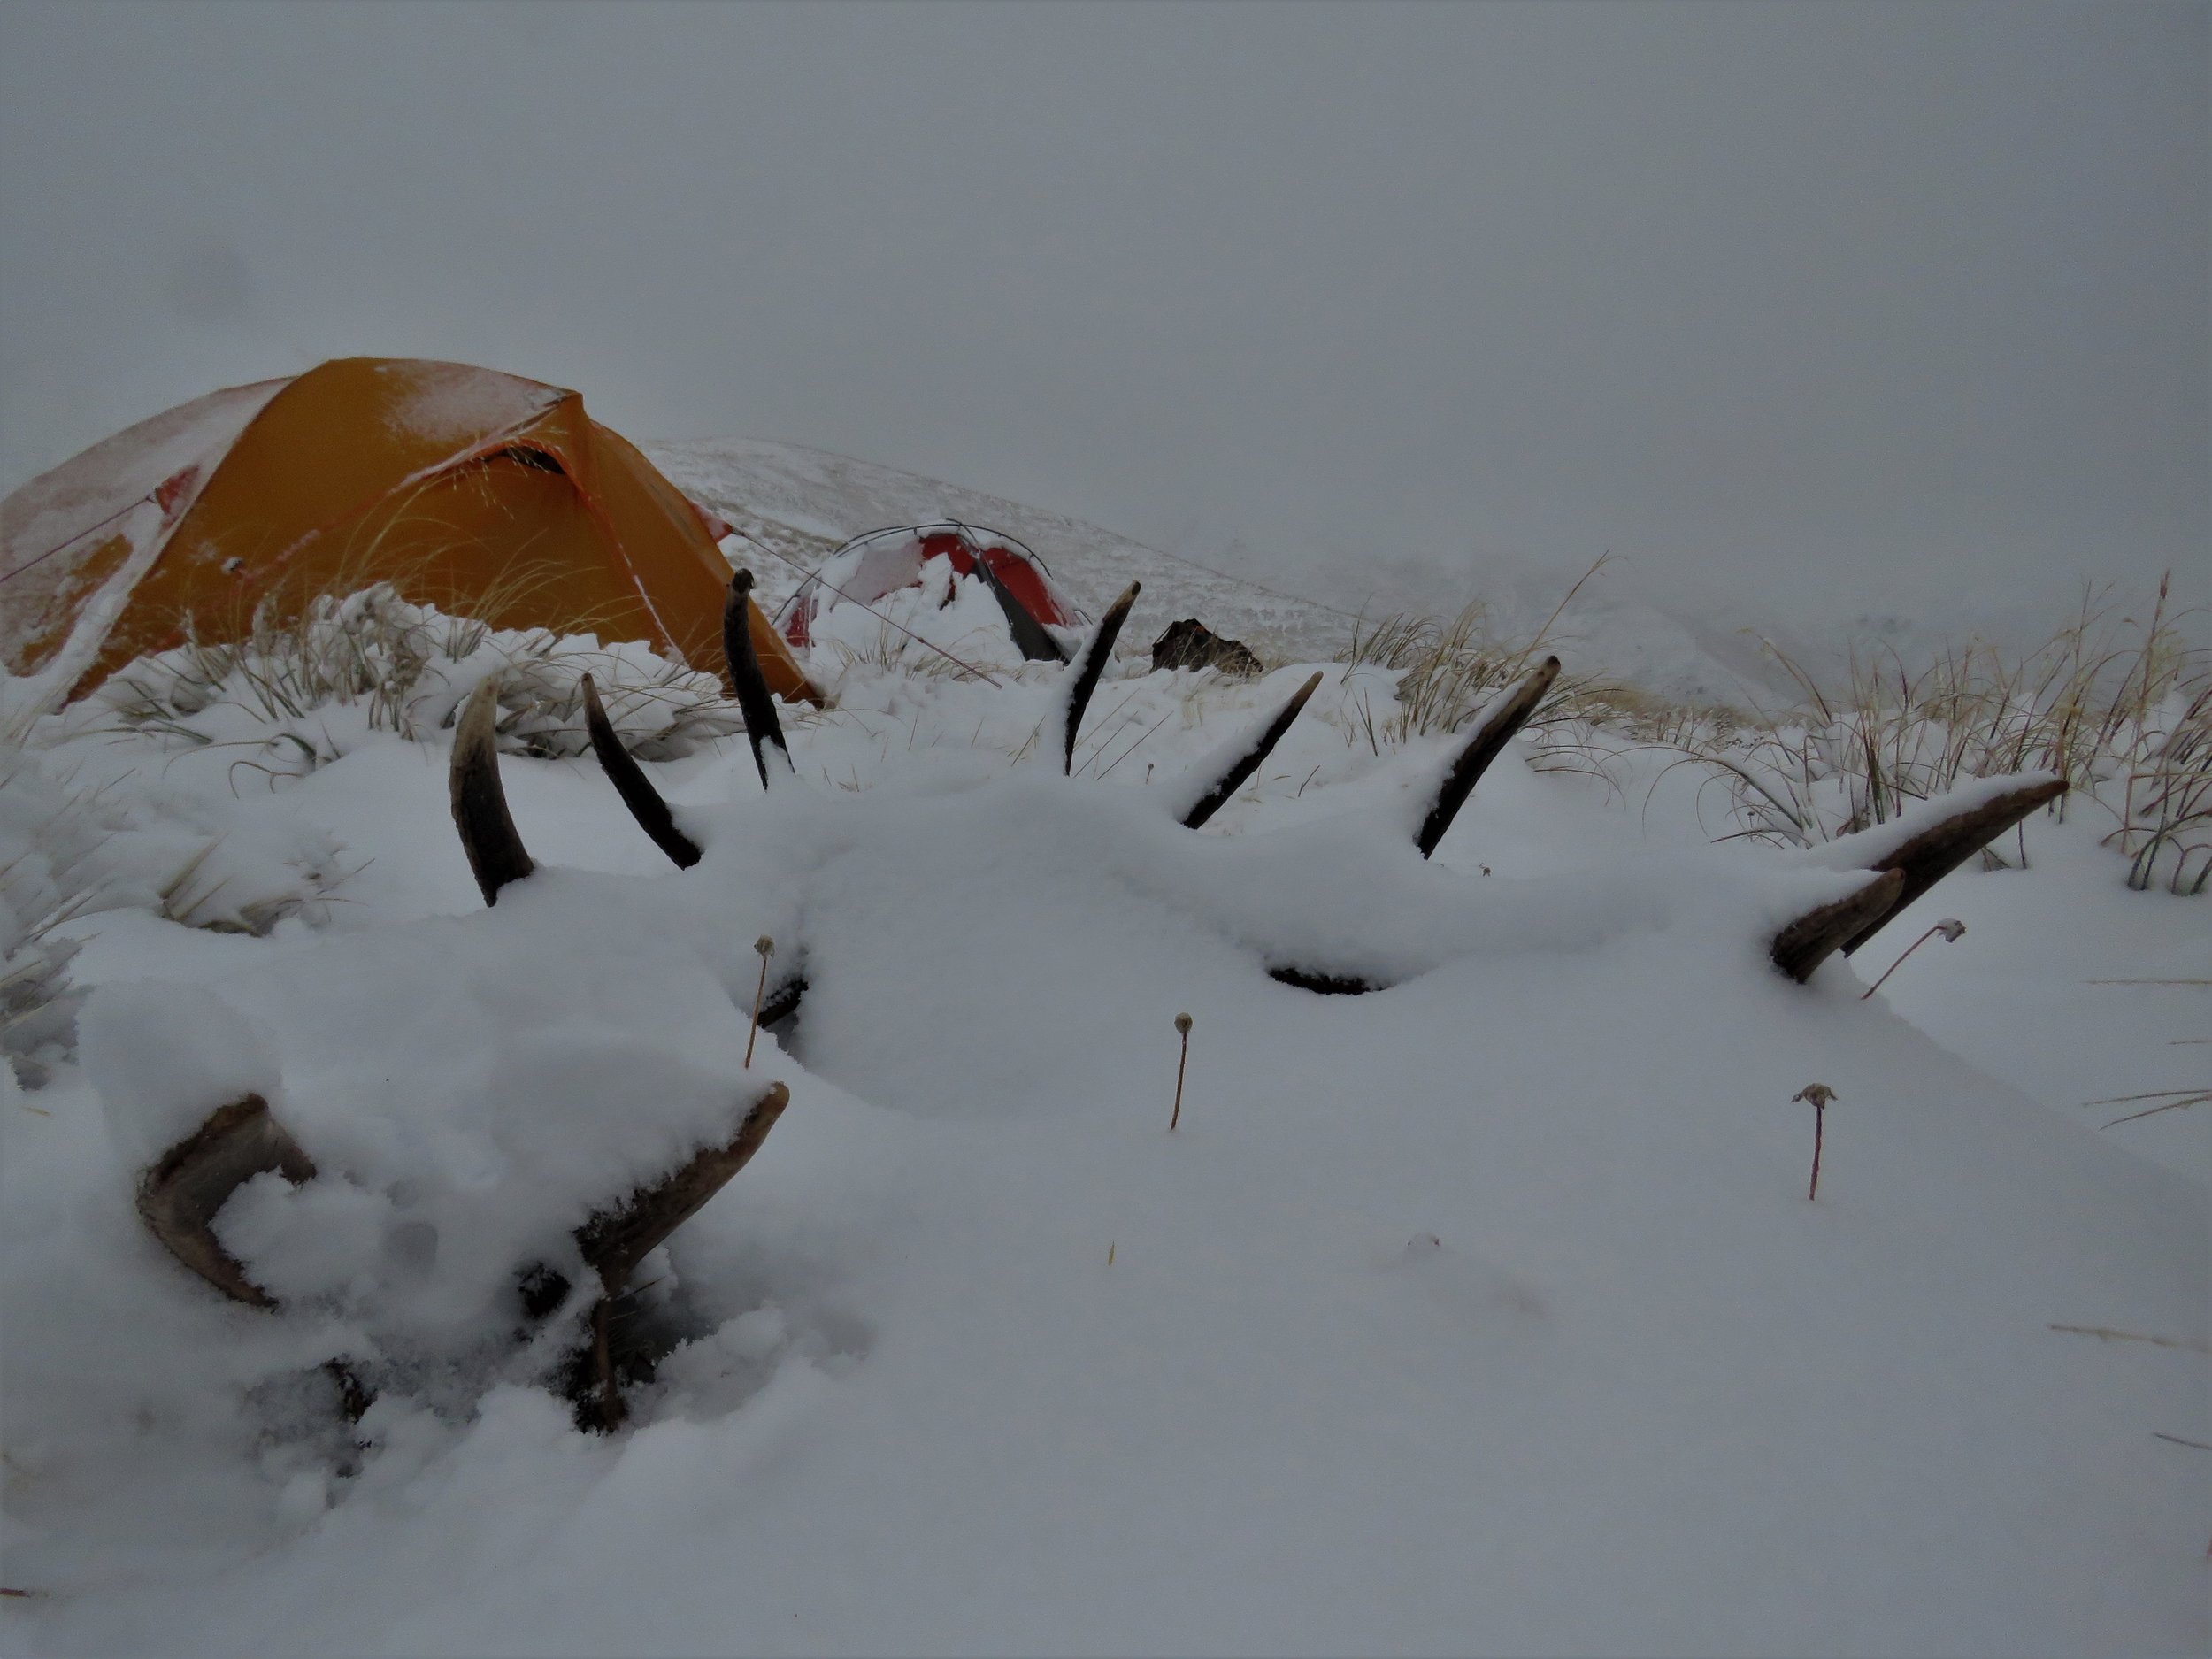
column 1090, row 663
column 1907, row 861
column 180, row 1195
column 495, row 851
column 613, row 1242
column 1805, row 943
column 1248, row 759
column 762, row 727
column 631, row 783
column 1488, row 742
column 1925, row 858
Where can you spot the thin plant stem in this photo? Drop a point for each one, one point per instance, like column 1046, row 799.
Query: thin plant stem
column 1182, row 1025
column 766, row 947
column 1900, row 963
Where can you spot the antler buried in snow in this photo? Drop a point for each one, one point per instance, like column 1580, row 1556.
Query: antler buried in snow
column 614, row 1241
column 1089, row 663
column 495, row 851
column 180, row 1195
column 631, row 783
column 1807, row 941
column 762, row 727
column 1488, row 742
column 1248, row 761
column 1927, row 857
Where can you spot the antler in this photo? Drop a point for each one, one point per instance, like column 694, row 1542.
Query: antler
column 495, row 851
column 1484, row 746
column 1807, row 941
column 1248, row 760
column 1933, row 854
column 1089, row 663
column 631, row 783
column 1905, row 869
column 615, row 1240
column 762, row 727
column 180, row 1195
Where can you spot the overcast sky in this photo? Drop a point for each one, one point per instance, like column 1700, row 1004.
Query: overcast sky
column 1837, row 306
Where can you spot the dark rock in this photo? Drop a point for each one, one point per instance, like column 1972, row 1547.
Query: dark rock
column 1190, row 643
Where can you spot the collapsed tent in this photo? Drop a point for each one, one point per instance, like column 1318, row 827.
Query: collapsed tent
column 869, row 566
column 483, row 494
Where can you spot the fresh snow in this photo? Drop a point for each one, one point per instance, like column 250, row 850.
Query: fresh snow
column 1485, row 1313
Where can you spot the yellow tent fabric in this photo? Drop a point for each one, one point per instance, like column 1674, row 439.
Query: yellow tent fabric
column 481, row 493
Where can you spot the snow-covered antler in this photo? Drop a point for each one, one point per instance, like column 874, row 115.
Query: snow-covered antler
column 1245, row 760
column 1926, row 856
column 615, row 1240
column 180, row 1195
column 1909, row 855
column 1090, row 663
column 1488, row 743
column 631, row 783
column 762, row 727
column 651, row 810
column 1807, row 941
column 495, row 849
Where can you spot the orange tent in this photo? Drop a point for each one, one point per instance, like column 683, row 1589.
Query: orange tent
column 478, row 492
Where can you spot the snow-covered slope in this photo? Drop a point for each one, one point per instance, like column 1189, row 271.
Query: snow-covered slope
column 1696, row 646
column 1485, row 1313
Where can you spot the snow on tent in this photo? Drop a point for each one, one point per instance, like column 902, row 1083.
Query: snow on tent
column 481, row 493
column 870, row 567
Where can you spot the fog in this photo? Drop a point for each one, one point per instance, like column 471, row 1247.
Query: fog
column 1824, row 308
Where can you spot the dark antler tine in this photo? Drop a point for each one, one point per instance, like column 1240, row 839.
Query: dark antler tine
column 1935, row 852
column 1090, row 663
column 1245, row 765
column 616, row 1241
column 1484, row 746
column 495, row 851
column 1805, row 943
column 782, row 1001
column 761, row 725
column 631, row 783
column 180, row 1195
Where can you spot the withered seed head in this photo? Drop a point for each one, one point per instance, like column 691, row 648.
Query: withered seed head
column 1182, row 1023
column 764, row 946
column 1817, row 1093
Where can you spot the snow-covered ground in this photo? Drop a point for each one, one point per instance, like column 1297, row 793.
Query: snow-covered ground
column 1485, row 1313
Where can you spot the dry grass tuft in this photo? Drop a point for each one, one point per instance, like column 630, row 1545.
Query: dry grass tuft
column 1449, row 670
column 2121, row 709
column 407, row 668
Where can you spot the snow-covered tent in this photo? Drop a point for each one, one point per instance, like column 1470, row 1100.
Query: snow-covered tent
column 482, row 492
column 869, row 566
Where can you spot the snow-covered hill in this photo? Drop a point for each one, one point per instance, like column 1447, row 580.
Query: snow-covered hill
column 1484, row 1313
column 1680, row 643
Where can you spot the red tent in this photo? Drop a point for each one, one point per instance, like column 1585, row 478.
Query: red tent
column 881, row 562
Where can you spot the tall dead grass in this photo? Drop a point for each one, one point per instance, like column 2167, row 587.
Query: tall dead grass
column 2121, row 708
column 1449, row 669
